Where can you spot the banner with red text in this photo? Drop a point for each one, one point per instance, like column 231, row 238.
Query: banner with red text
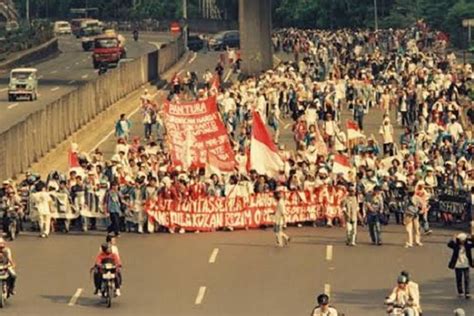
column 212, row 213
column 195, row 130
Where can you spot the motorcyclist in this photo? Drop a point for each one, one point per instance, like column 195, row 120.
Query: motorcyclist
column 135, row 35
column 323, row 308
column 6, row 252
column 12, row 209
column 402, row 297
column 103, row 68
column 106, row 255
column 414, row 289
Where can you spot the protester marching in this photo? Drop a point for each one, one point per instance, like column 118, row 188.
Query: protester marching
column 212, row 155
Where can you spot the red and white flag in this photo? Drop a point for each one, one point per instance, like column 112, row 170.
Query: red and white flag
column 218, row 166
column 264, row 157
column 353, row 131
column 341, row 164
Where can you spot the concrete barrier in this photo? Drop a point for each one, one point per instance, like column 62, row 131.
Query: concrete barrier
column 29, row 140
column 44, row 50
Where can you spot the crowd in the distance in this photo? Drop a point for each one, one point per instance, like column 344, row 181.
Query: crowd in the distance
column 397, row 77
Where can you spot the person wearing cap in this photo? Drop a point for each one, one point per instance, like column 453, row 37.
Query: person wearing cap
column 280, row 220
column 351, row 212
column 402, row 296
column 414, row 288
column 461, row 262
column 323, row 308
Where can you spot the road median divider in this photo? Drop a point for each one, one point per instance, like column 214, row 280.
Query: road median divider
column 36, row 134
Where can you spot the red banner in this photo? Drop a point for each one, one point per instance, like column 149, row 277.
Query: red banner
column 195, row 131
column 212, row 213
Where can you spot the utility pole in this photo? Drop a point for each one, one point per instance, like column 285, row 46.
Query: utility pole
column 185, row 18
column 376, row 18
column 28, row 12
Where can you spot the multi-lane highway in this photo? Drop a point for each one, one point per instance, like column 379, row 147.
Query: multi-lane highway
column 61, row 74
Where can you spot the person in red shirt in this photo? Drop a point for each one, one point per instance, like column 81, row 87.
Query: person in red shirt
column 106, row 256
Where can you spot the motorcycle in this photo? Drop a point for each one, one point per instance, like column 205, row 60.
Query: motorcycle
column 4, row 285
column 135, row 36
column 12, row 223
column 103, row 68
column 394, row 309
column 109, row 273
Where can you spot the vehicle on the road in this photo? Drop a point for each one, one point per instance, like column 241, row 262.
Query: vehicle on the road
column 225, row 39
column 23, row 83
column 88, row 37
column 4, row 285
column 108, row 49
column 76, row 26
column 12, row 222
column 135, row 35
column 195, row 43
column 109, row 271
column 87, row 25
column 62, row 28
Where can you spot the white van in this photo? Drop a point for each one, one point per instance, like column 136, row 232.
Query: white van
column 62, row 27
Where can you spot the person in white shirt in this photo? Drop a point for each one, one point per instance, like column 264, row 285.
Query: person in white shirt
column 386, row 130
column 323, row 308
column 43, row 203
column 280, row 220
column 455, row 129
column 414, row 288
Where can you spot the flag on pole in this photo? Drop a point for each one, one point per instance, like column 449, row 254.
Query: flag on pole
column 341, row 164
column 353, row 130
column 321, row 147
column 264, row 157
column 218, row 166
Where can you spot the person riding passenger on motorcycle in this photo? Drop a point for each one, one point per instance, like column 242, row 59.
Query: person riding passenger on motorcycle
column 403, row 298
column 106, row 255
column 7, row 253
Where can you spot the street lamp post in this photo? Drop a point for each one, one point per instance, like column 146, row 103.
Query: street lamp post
column 185, row 27
column 28, row 12
column 376, row 18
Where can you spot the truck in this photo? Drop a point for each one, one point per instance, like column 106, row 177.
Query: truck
column 108, row 49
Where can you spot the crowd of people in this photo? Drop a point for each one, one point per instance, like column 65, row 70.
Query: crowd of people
column 411, row 80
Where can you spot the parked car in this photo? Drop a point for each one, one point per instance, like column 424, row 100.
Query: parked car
column 23, row 83
column 62, row 28
column 195, row 43
column 225, row 39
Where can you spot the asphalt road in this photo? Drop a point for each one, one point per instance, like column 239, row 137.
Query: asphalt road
column 64, row 73
column 163, row 273
column 238, row 273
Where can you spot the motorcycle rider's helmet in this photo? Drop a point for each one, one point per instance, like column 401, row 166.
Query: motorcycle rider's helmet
column 402, row 279
column 105, row 247
column 406, row 274
column 323, row 299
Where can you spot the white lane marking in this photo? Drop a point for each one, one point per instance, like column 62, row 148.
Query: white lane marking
column 104, row 139
column 11, row 106
column 213, row 256
column 192, row 58
column 76, row 63
column 84, row 60
column 4, row 89
column 72, row 81
column 40, row 77
column 200, row 295
column 329, row 252
column 180, row 72
column 228, row 75
column 327, row 289
column 75, row 297
column 55, row 88
column 85, row 76
column 54, row 72
column 67, row 67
